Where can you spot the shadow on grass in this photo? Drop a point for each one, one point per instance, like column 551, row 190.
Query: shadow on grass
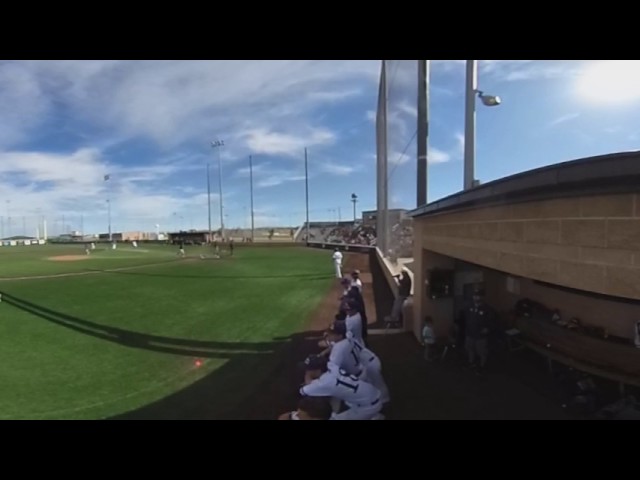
column 259, row 380
column 305, row 276
column 132, row 339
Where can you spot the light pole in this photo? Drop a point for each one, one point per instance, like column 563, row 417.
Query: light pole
column 106, row 179
column 306, row 192
column 470, row 120
column 354, row 199
column 251, row 192
column 423, row 131
column 209, row 202
column 8, row 218
column 217, row 144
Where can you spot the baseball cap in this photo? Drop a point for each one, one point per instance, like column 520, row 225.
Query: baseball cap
column 315, row 362
column 338, row 327
column 355, row 272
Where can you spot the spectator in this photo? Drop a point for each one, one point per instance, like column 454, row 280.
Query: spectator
column 478, row 322
column 404, row 292
column 428, row 339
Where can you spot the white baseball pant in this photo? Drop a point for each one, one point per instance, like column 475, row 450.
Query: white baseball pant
column 359, row 412
column 338, row 269
column 373, row 374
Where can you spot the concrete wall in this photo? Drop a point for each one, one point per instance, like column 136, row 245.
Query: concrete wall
column 441, row 310
column 589, row 243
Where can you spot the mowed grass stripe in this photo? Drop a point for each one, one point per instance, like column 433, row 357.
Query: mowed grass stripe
column 227, row 312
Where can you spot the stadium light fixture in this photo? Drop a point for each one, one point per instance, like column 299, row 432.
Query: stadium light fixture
column 470, row 120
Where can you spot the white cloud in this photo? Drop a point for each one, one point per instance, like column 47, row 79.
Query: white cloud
column 336, row 169
column 23, row 101
column 259, row 107
column 71, row 185
column 264, row 141
column 514, row 70
column 397, row 158
column 274, row 180
column 437, row 156
column 257, row 169
column 171, row 102
column 563, row 119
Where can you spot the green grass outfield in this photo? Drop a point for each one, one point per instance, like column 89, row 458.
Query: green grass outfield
column 100, row 344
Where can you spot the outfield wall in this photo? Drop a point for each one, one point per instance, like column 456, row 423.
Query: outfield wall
column 21, row 243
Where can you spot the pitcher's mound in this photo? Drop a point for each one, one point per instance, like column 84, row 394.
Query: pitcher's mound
column 69, row 258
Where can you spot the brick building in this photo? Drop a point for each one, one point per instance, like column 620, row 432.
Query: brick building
column 566, row 236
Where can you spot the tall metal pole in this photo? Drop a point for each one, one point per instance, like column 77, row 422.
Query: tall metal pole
column 251, row 188
column 217, row 144
column 107, row 178
column 8, row 218
column 423, row 131
column 306, row 189
column 354, row 200
column 220, row 189
column 470, row 123
column 209, row 202
column 382, row 163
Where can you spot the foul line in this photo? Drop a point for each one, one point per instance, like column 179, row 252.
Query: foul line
column 92, row 272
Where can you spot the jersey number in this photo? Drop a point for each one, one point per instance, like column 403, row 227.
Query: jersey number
column 353, row 386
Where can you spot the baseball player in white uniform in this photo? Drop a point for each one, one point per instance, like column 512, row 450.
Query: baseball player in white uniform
column 372, row 369
column 337, row 262
column 354, row 322
column 355, row 280
column 361, row 398
column 341, row 352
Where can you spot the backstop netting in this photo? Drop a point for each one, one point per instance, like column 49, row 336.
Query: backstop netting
column 396, row 142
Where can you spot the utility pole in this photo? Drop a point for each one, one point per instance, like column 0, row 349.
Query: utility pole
column 423, row 132
column 251, row 188
column 209, row 202
column 354, row 199
column 217, row 144
column 306, row 189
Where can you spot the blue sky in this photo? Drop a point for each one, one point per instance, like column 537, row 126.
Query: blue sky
column 65, row 124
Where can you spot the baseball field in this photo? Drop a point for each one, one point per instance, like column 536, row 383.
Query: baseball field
column 129, row 330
